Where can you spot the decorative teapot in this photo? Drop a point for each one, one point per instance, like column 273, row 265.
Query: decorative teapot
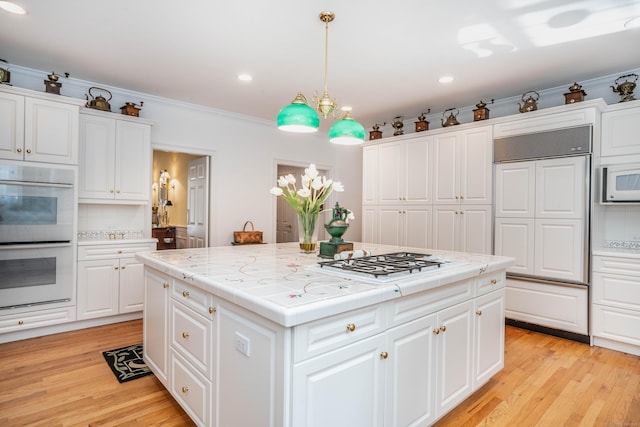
column 625, row 89
column 529, row 104
column 398, row 125
column 338, row 224
column 99, row 102
column 451, row 120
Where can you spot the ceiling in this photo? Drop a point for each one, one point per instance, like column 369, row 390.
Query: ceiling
column 384, row 57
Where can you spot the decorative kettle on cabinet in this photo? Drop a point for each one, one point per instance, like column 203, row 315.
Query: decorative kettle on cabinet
column 529, row 104
column 99, row 102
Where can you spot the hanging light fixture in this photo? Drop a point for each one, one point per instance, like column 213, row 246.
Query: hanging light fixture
column 300, row 117
column 346, row 131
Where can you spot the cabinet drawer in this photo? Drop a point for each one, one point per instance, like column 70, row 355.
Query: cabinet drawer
column 112, row 251
column 191, row 336
column 37, row 319
column 616, row 290
column 322, row 335
column 191, row 390
column 616, row 265
column 414, row 306
column 616, row 324
column 490, row 282
column 197, row 299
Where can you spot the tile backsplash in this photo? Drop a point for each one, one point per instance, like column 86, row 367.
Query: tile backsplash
column 622, row 227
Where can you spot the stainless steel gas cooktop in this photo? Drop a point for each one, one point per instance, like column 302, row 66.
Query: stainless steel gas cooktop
column 386, row 264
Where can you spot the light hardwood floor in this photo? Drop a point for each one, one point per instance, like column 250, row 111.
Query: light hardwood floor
column 63, row 380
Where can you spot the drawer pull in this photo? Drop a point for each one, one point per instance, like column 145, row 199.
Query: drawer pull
column 185, row 335
column 212, row 310
column 185, row 389
column 185, row 294
column 19, row 150
column 443, row 328
column 479, row 312
column 165, row 285
column 123, row 267
column 28, row 150
column 351, row 327
column 436, row 331
column 20, row 322
column 115, row 267
column 494, row 281
column 384, row 355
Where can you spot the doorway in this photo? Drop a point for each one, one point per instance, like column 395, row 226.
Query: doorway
column 185, row 188
column 286, row 216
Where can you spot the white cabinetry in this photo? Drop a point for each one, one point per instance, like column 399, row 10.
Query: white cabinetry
column 110, row 280
column 38, row 128
column 532, row 207
column 115, row 159
column 462, row 194
column 620, row 130
column 462, row 167
column 155, row 324
column 615, row 317
column 426, row 360
column 397, row 192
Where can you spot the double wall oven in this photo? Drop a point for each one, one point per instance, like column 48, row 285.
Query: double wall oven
column 37, row 222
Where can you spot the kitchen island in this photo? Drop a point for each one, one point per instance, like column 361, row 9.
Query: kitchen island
column 259, row 335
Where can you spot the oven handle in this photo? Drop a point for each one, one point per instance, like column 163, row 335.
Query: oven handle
column 36, row 184
column 34, row 245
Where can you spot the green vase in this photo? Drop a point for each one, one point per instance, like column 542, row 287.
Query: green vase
column 308, row 231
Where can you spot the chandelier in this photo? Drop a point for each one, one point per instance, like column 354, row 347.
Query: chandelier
column 300, row 117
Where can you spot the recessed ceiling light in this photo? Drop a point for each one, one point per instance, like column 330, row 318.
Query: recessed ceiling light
column 633, row 22
column 445, row 79
column 245, row 77
column 12, row 7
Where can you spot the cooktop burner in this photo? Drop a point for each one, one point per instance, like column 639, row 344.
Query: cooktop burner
column 386, row 264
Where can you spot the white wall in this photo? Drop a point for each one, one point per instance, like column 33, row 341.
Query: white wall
column 245, row 153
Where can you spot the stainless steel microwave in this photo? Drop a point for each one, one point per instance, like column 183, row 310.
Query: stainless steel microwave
column 621, row 183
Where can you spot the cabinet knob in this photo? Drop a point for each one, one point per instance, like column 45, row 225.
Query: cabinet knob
column 351, row 327
column 212, row 310
column 461, row 197
column 479, row 312
column 185, row 335
column 19, row 150
column 111, row 190
column 185, row 294
column 118, row 191
column 461, row 212
column 123, row 267
column 115, row 267
column 436, row 331
column 28, row 150
column 384, row 355
column 120, row 251
column 20, row 322
column 165, row 285
column 443, row 328
column 185, row 389
column 494, row 281
column 457, row 197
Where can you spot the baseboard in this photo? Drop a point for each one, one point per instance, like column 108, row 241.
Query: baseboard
column 549, row 331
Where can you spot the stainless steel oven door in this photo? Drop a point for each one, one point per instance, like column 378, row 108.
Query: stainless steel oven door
column 35, row 274
column 36, row 211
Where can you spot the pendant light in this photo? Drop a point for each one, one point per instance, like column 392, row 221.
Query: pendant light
column 300, row 117
column 346, row 131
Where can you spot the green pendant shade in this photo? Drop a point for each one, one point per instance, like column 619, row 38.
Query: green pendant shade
column 298, row 117
column 346, row 132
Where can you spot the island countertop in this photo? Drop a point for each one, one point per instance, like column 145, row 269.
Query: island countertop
column 284, row 285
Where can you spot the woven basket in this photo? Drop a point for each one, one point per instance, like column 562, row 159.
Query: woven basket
column 245, row 237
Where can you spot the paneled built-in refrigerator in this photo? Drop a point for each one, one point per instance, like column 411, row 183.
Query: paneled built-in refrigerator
column 542, row 219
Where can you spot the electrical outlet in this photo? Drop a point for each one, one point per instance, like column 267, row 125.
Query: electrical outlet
column 242, row 344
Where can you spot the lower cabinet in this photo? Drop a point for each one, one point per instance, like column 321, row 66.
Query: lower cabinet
column 405, row 362
column 110, row 280
column 615, row 319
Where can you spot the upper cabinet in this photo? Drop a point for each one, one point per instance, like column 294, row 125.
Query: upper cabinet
column 463, row 167
column 620, row 129
column 115, row 159
column 38, row 128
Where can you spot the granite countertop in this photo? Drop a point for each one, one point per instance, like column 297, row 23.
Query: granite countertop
column 279, row 282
